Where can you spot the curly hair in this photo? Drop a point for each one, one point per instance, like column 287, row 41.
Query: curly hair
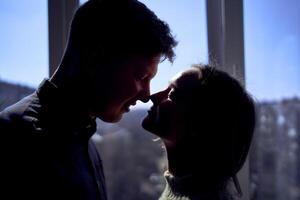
column 113, row 29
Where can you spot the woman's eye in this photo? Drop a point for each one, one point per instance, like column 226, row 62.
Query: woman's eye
column 141, row 77
column 171, row 95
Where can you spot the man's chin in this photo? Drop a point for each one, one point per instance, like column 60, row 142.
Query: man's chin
column 111, row 118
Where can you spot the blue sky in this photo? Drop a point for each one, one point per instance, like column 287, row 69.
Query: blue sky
column 272, row 42
column 23, row 41
column 272, row 48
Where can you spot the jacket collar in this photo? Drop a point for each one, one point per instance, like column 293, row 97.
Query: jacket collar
column 60, row 111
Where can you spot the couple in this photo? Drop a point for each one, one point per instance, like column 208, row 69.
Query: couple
column 204, row 117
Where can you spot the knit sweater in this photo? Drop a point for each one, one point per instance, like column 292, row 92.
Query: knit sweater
column 185, row 188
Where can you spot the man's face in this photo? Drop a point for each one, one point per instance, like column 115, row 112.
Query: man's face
column 123, row 86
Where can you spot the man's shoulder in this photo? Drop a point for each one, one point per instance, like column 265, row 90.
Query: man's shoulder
column 21, row 115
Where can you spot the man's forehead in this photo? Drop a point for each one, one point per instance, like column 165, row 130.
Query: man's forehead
column 147, row 63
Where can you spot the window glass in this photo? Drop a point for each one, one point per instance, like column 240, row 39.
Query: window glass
column 24, row 41
column 23, row 48
column 272, row 55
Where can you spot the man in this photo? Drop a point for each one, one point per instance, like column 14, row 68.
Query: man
column 113, row 51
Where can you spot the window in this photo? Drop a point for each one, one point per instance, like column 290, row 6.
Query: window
column 272, row 55
column 187, row 20
column 24, row 48
column 24, row 42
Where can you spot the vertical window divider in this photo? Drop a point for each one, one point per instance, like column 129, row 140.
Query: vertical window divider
column 60, row 13
column 225, row 35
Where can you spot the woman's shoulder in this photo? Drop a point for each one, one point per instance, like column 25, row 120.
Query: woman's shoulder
column 191, row 188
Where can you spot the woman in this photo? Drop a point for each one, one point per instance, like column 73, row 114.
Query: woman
column 206, row 120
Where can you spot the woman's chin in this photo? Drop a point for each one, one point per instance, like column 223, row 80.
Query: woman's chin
column 148, row 124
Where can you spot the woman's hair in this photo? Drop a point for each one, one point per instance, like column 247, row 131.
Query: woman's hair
column 220, row 119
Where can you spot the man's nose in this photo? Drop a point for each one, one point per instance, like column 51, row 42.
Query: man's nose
column 160, row 96
column 145, row 94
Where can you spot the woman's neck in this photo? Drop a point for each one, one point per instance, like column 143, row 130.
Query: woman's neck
column 179, row 162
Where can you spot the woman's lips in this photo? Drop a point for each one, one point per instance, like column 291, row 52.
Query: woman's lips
column 152, row 111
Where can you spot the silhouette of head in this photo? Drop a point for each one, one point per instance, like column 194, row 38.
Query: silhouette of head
column 110, row 29
column 208, row 116
column 117, row 45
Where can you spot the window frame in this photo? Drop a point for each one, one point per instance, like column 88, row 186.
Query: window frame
column 60, row 13
column 225, row 33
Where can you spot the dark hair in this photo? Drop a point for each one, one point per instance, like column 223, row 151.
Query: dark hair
column 113, row 29
column 220, row 115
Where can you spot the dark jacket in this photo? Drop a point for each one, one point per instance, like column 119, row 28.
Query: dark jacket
column 46, row 151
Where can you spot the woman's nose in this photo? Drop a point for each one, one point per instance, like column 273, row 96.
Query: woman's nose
column 160, row 96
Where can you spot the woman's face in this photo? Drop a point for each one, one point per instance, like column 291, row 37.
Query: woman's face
column 167, row 118
column 164, row 117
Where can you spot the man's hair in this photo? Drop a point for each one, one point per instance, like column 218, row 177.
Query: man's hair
column 110, row 29
column 220, row 115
